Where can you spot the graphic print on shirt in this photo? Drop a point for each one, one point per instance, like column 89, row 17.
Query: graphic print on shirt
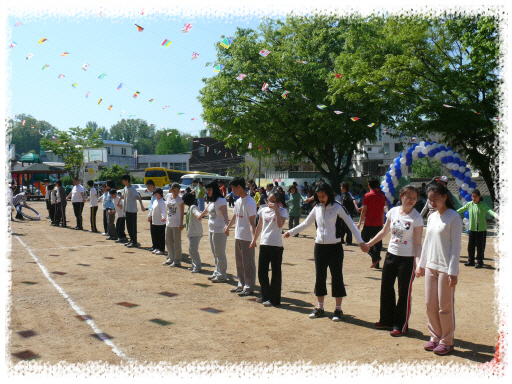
column 171, row 209
column 270, row 216
column 397, row 230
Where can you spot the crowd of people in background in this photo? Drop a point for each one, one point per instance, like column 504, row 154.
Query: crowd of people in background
column 262, row 213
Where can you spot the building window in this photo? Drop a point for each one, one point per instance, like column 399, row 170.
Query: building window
column 201, row 151
column 398, row 147
column 108, row 150
column 369, row 149
column 143, row 165
column 386, row 148
column 184, row 167
column 164, row 164
column 151, row 165
column 123, row 151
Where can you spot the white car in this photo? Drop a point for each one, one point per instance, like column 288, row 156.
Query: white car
column 142, row 191
column 165, row 189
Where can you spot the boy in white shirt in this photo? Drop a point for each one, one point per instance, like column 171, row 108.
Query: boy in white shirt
column 157, row 217
column 93, row 198
column 121, row 219
column 194, row 231
column 175, row 209
column 245, row 215
column 77, row 197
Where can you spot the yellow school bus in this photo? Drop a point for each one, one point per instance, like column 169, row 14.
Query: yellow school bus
column 162, row 176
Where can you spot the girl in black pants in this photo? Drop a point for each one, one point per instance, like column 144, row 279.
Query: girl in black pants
column 328, row 249
column 404, row 252
column 271, row 222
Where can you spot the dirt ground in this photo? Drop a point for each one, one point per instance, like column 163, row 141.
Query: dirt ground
column 98, row 274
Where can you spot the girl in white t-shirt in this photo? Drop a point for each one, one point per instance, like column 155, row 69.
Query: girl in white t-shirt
column 439, row 264
column 270, row 225
column 174, row 225
column 404, row 251
column 217, row 211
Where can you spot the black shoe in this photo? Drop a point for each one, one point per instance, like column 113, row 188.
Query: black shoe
column 318, row 312
column 479, row 265
column 133, row 245
column 236, row 290
column 469, row 264
column 128, row 243
column 152, row 249
column 244, row 293
column 111, row 238
column 338, row 314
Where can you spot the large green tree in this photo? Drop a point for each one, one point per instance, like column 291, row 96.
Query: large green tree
column 26, row 137
column 136, row 132
column 413, row 66
column 293, row 125
column 69, row 146
column 173, row 142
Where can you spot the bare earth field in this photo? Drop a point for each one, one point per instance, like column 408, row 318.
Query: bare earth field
column 97, row 275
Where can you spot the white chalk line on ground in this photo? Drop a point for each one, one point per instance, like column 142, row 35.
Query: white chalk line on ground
column 77, row 309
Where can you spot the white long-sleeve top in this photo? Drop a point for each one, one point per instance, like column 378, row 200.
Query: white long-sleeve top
column 158, row 212
column 325, row 217
column 194, row 227
column 442, row 245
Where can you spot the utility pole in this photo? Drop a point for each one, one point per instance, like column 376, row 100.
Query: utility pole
column 259, row 172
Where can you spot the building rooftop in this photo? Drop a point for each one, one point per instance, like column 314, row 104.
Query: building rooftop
column 116, row 142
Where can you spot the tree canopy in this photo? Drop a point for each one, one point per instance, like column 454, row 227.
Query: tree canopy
column 292, row 125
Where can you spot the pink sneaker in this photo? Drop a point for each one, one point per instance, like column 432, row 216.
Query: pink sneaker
column 443, row 349
column 430, row 346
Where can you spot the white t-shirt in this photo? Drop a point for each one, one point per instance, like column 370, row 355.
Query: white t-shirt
column 94, row 197
column 244, row 208
column 119, row 211
column 271, row 234
column 173, row 210
column 215, row 217
column 402, row 231
column 77, row 194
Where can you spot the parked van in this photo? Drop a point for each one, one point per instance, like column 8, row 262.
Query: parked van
column 186, row 180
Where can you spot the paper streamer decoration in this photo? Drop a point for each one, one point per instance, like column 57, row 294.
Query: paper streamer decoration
column 302, row 62
column 226, row 42
column 338, row 112
column 265, row 87
column 23, row 122
column 285, row 93
column 264, row 53
column 195, row 55
column 110, row 108
column 73, row 85
column 102, row 76
column 99, row 102
column 370, row 125
column 87, row 94
column 12, row 45
column 46, row 66
column 120, row 86
column 338, row 75
column 186, row 28
column 139, row 28
column 167, row 43
column 42, row 40
column 321, row 106
column 85, row 66
column 65, row 54
column 355, row 118
column 150, row 101
column 250, row 145
column 180, row 113
column 122, row 113
column 61, row 76
column 448, row 106
column 165, row 107
column 218, row 68
column 29, row 56
column 136, row 94
column 18, row 24
column 241, row 76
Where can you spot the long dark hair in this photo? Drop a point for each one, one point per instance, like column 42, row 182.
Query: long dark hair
column 216, row 193
column 325, row 188
column 443, row 191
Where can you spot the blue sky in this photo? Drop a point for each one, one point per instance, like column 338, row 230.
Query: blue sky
column 114, row 47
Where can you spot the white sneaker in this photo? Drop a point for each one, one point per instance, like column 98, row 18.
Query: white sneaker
column 195, row 270
column 159, row 253
column 155, row 251
column 104, row 234
column 167, row 262
column 267, row 303
column 175, row 264
column 212, row 277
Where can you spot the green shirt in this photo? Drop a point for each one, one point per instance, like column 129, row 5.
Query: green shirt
column 477, row 212
column 201, row 193
column 294, row 204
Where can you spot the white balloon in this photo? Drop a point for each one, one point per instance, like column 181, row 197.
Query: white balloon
column 456, row 155
column 438, row 156
column 389, row 196
column 449, row 153
column 462, row 169
column 455, row 166
column 464, row 186
column 467, row 226
column 394, row 179
column 392, row 166
column 470, row 190
column 443, row 153
column 415, row 155
column 468, row 174
column 422, row 144
column 385, row 189
column 465, row 221
column 392, row 172
column 459, row 182
column 424, row 150
column 435, row 145
column 403, row 160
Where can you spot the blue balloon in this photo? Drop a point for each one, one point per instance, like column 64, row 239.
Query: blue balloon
column 398, row 174
column 466, row 214
column 427, row 143
column 456, row 160
column 454, row 173
column 408, row 162
column 421, row 155
column 410, row 150
column 442, row 148
column 449, row 159
column 389, row 181
column 467, row 231
column 468, row 197
column 462, row 163
column 431, row 153
column 460, row 175
column 449, row 149
column 472, row 184
column 388, row 174
column 467, row 179
column 444, row 160
column 408, row 156
column 462, row 192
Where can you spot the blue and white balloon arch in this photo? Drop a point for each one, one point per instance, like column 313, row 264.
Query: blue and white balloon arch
column 446, row 155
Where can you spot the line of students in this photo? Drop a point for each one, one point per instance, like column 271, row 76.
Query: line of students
column 438, row 259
